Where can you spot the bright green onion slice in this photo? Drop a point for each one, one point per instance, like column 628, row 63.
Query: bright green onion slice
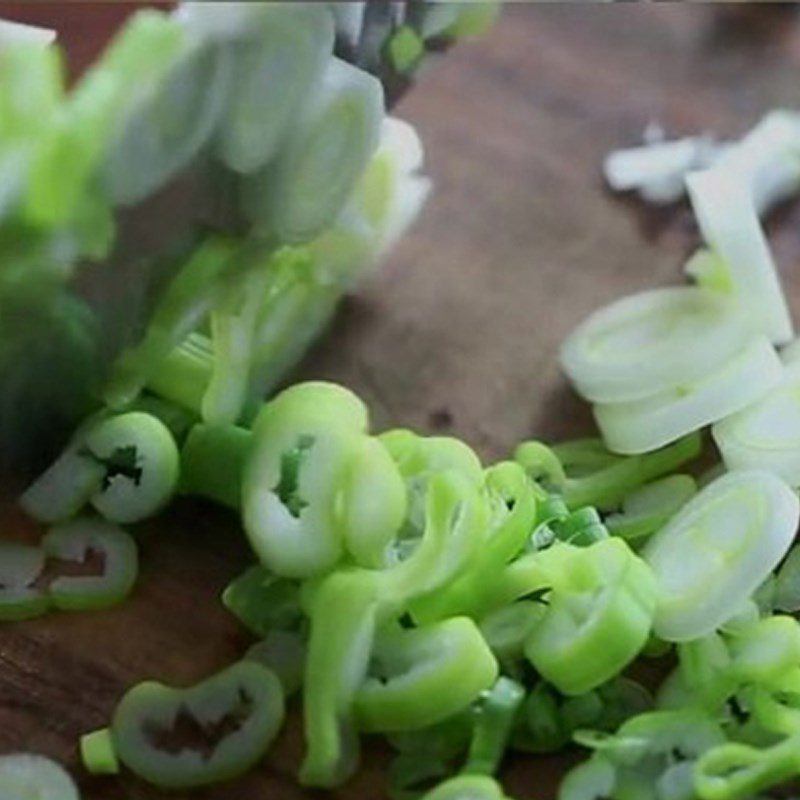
column 26, row 776
column 716, row 551
column 73, row 541
column 766, row 434
column 649, row 508
column 729, row 223
column 20, row 566
column 281, row 53
column 638, row 346
column 142, row 463
column 424, row 675
column 97, row 753
column 334, row 139
column 263, row 602
column 652, row 422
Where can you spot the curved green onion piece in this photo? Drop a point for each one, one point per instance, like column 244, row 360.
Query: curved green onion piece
column 716, row 551
column 594, row 779
column 738, row 771
column 705, row 667
column 26, row 776
column 540, row 727
column 581, row 528
column 766, row 434
column 776, row 708
column 183, row 305
column 233, row 330
column 506, row 629
column 424, row 675
column 142, row 466
column 240, row 708
column 729, row 223
column 494, row 717
column 136, row 61
column 646, row 424
column 513, row 507
column 298, row 467
column 213, row 461
column 598, row 617
column 98, row 754
column 343, row 621
column 284, row 652
column 650, row 508
column 372, row 503
column 169, row 122
column 20, row 566
column 263, row 602
column 335, row 136
column 763, row 652
column 73, row 541
column 64, row 488
column 785, row 595
column 638, row 346
column 282, row 52
column 410, row 774
column 444, row 741
column 467, row 787
column 593, row 476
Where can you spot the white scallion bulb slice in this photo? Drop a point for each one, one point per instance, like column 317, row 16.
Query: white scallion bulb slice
column 644, row 425
column 766, row 435
column 334, row 138
column 651, row 341
column 279, row 59
column 167, row 128
column 767, row 159
column 730, row 226
column 717, row 550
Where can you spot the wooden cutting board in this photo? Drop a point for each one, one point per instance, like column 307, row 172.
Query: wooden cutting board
column 458, row 333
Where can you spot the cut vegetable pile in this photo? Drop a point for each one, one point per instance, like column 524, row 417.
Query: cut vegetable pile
column 400, row 586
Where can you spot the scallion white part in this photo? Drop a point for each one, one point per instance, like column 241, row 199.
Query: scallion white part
column 336, row 135
column 649, row 342
column 718, row 549
column 19, row 33
column 730, row 226
column 279, row 59
column 652, row 422
column 766, row 435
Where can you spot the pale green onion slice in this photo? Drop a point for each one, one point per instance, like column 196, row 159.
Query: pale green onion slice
column 766, row 434
column 64, row 488
column 640, row 345
column 280, row 57
column 790, row 353
column 284, row 652
column 74, row 541
column 594, row 779
column 507, row 628
column 729, row 223
column 647, row 509
column 20, row 566
column 166, row 129
column 467, row 787
column 652, row 422
column 335, row 137
column 26, row 776
column 142, row 466
column 714, row 554
column 767, row 159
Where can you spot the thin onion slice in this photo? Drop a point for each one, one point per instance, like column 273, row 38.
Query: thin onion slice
column 647, row 424
column 650, row 341
column 729, row 223
column 714, row 554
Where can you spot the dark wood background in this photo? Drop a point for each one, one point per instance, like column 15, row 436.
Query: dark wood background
column 457, row 333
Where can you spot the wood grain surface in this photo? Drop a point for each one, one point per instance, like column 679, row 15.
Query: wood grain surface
column 457, row 333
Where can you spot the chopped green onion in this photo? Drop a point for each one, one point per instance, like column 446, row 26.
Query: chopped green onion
column 467, row 787
column 411, row 774
column 263, row 602
column 649, row 423
column 20, row 566
column 284, row 652
column 716, row 551
column 97, row 753
column 26, row 776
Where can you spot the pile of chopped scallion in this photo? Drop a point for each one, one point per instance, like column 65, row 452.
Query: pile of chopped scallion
column 400, row 586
